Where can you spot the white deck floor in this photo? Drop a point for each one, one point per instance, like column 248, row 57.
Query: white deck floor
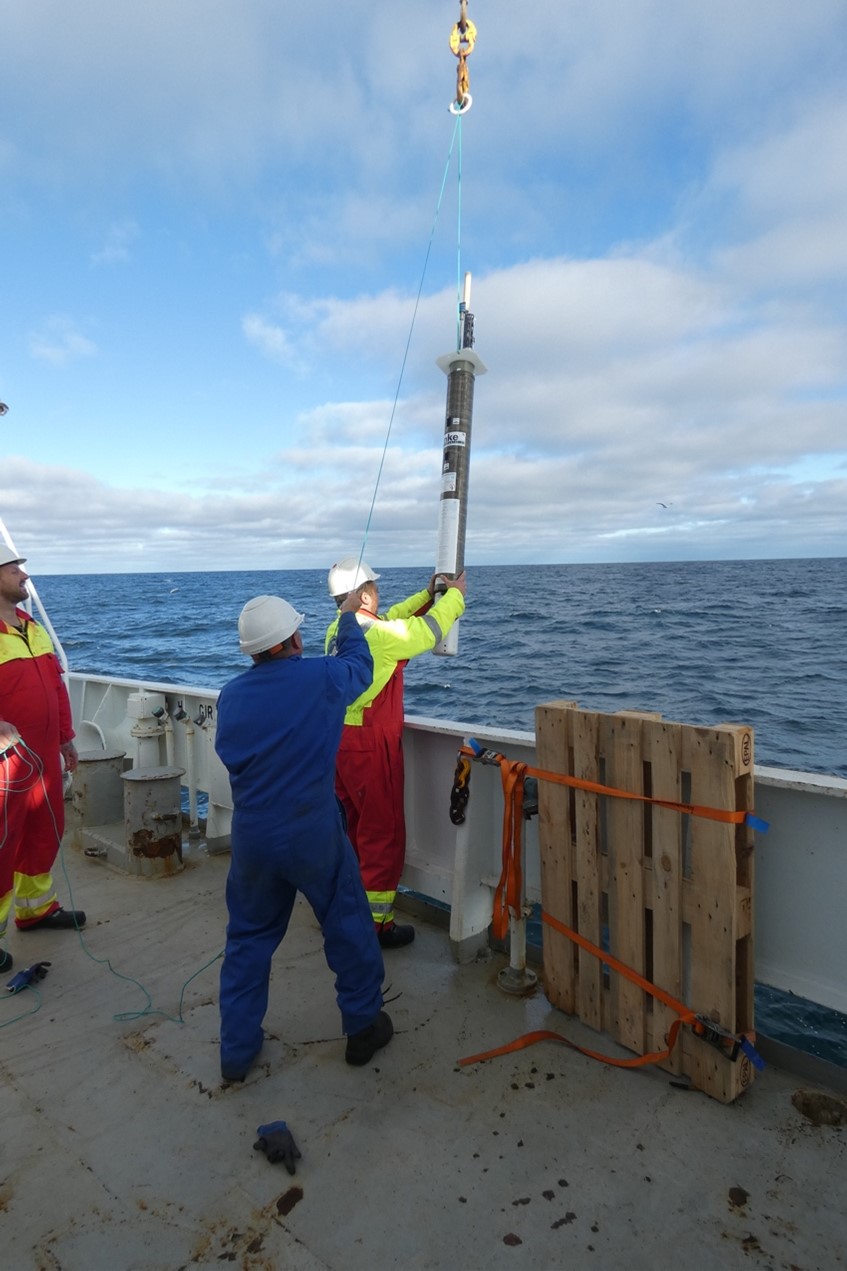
column 120, row 1149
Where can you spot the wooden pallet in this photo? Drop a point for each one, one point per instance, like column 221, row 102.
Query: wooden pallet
column 668, row 894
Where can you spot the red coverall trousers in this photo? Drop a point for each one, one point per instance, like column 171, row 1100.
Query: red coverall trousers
column 369, row 782
column 32, row 811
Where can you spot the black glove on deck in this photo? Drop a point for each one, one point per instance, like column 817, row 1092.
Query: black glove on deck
column 277, row 1142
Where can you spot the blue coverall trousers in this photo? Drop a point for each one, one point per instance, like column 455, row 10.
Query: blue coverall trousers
column 271, row 861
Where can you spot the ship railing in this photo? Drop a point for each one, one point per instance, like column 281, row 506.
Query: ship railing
column 801, row 863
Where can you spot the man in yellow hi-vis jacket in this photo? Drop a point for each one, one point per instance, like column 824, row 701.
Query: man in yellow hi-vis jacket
column 369, row 767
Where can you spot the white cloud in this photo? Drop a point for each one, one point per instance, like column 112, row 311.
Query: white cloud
column 271, row 340
column 799, row 169
column 59, row 341
column 116, row 248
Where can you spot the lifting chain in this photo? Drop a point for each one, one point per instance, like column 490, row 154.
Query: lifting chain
column 462, row 40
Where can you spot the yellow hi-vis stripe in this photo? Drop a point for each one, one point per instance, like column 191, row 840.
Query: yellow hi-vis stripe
column 382, row 906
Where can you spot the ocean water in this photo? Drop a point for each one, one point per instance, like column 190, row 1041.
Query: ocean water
column 762, row 643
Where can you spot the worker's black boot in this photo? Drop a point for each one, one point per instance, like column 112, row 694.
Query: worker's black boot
column 362, row 1046
column 58, row 920
column 394, row 935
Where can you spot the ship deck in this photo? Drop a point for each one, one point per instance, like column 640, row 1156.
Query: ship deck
column 120, row 1147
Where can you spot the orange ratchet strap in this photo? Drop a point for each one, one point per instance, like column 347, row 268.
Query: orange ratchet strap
column 512, row 774
column 685, row 1015
column 733, row 817
column 544, row 1035
column 507, row 899
column 729, row 1044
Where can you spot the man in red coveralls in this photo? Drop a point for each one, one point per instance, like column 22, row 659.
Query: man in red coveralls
column 36, row 738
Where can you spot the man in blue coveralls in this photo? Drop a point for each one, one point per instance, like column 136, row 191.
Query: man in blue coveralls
column 279, row 725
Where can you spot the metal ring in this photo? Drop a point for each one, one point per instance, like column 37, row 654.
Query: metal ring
column 456, row 109
column 458, row 37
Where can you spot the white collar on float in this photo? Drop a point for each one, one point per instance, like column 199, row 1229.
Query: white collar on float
column 448, row 360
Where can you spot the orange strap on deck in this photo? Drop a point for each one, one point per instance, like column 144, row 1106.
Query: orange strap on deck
column 544, row 1035
column 684, row 1013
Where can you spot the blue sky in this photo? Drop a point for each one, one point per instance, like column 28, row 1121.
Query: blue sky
column 214, row 220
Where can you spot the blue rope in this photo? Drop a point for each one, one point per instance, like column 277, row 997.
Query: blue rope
column 149, row 1009
column 104, row 961
column 457, row 131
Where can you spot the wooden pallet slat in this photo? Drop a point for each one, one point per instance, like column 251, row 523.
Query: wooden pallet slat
column 552, row 727
column 587, row 876
column 662, row 742
column 712, row 970
column 620, row 743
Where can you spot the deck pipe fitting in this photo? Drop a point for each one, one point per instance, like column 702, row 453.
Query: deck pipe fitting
column 161, row 715
column 191, row 760
column 147, row 728
column 97, row 797
column 153, row 819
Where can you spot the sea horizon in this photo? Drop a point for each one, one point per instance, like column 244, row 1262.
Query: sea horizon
column 304, row 569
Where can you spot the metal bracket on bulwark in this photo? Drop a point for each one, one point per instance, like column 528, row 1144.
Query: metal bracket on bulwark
column 153, row 820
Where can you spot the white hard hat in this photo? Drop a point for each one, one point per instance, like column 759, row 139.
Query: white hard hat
column 8, row 556
column 266, row 621
column 348, row 574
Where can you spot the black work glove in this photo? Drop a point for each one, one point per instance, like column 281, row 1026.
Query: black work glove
column 277, row 1142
